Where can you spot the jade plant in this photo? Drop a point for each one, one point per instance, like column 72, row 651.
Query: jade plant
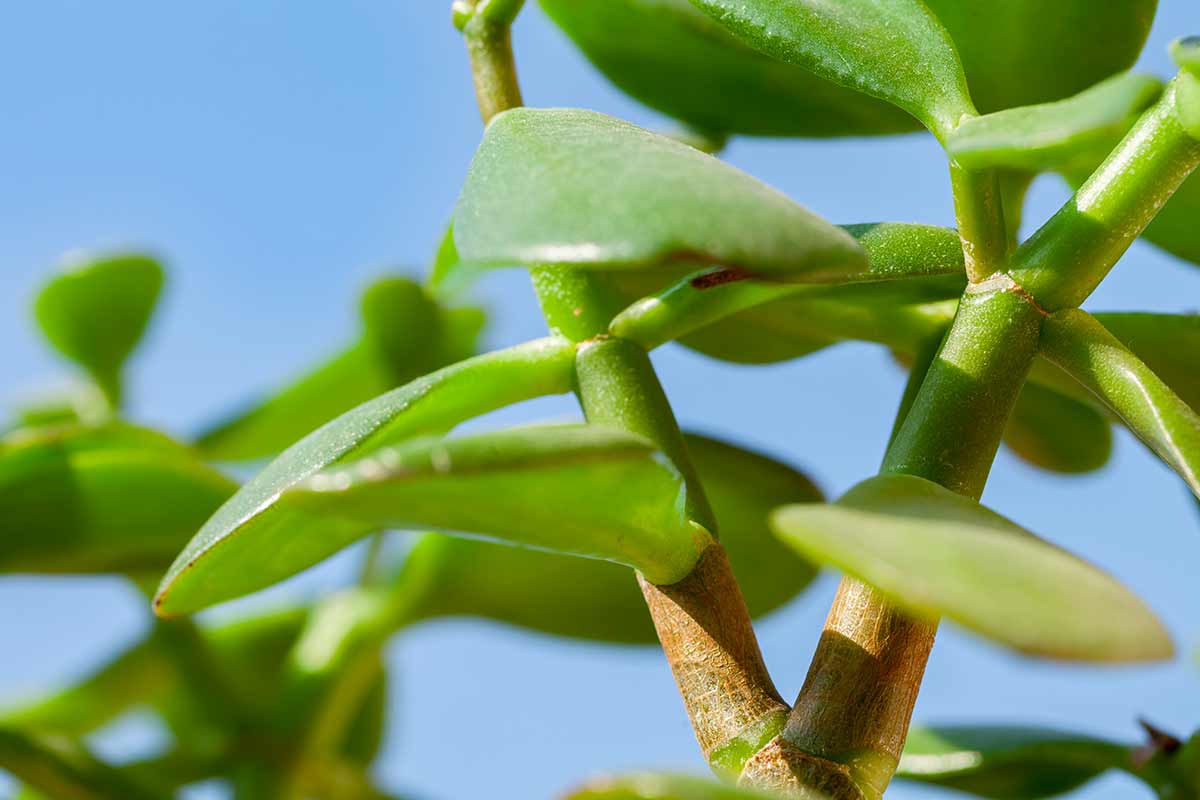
column 634, row 239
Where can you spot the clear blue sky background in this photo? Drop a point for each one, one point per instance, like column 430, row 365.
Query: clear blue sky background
column 279, row 154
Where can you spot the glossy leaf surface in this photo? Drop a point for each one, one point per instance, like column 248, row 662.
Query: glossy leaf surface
column 1169, row 344
column 250, row 543
column 1041, row 137
column 1056, row 432
column 74, row 499
column 895, row 50
column 1075, row 341
column 1022, row 52
column 575, row 489
column 406, row 334
column 936, row 553
column 1007, row 762
column 591, row 599
column 673, row 58
column 601, row 193
column 95, row 313
column 657, row 786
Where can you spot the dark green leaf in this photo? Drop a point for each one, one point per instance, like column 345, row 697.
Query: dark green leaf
column 590, row 599
column 1174, row 229
column 656, row 786
column 597, row 192
column 574, row 489
column 64, row 770
column 73, row 499
column 1057, row 432
column 250, row 543
column 95, row 313
column 895, row 50
column 937, row 553
column 1022, row 52
column 1007, row 763
column 675, row 59
column 406, row 334
column 1075, row 341
column 1041, row 137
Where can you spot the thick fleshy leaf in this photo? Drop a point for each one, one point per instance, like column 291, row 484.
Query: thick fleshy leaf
column 74, row 499
column 406, row 334
column 95, row 312
column 591, row 599
column 1174, row 229
column 1168, row 343
column 895, row 50
column 1187, row 102
column 937, row 553
column 576, row 489
column 251, row 543
column 64, row 770
column 601, row 193
column 1042, row 137
column 1077, row 342
column 1007, row 763
column 1186, row 53
column 673, row 58
column 658, row 786
column 1056, row 432
column 1022, row 52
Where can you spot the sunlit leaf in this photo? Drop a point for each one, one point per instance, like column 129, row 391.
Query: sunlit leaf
column 1168, row 343
column 895, row 50
column 1056, row 432
column 673, row 58
column 591, row 599
column 936, row 553
column 601, row 193
column 1078, row 343
column 1007, row 763
column 405, row 334
column 1041, row 137
column 657, row 786
column 574, row 489
column 1187, row 102
column 250, row 543
column 100, row 499
column 95, row 312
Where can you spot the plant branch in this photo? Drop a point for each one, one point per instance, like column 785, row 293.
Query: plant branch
column 486, row 26
column 979, row 211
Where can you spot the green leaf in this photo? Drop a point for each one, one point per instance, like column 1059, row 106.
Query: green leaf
column 574, row 489
column 1187, row 102
column 1022, row 52
column 658, row 786
column 250, row 543
column 1174, row 229
column 1058, row 433
column 64, row 770
column 73, row 499
column 96, row 311
column 406, row 334
column 936, row 553
column 591, row 599
column 1168, row 343
column 1185, row 51
column 1007, row 762
column 673, row 58
column 895, row 50
column 1041, row 137
column 600, row 193
column 1078, row 343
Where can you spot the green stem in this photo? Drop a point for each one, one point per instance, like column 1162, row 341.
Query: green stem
column 486, row 28
column 923, row 360
column 979, row 211
column 1066, row 259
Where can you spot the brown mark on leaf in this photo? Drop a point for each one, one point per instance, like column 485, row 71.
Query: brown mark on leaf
column 721, row 276
column 1159, row 742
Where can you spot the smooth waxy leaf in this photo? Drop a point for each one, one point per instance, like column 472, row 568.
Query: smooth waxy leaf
column 1041, row 137
column 1007, row 762
column 1057, row 432
column 937, row 553
column 74, row 499
column 895, row 50
column 673, row 58
column 95, row 313
column 1169, row 344
column 574, row 489
column 590, row 599
column 251, row 543
column 1078, row 343
column 656, row 786
column 406, row 334
column 1022, row 52
column 65, row 770
column 601, row 193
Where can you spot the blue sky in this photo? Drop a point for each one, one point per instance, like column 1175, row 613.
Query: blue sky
column 278, row 155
